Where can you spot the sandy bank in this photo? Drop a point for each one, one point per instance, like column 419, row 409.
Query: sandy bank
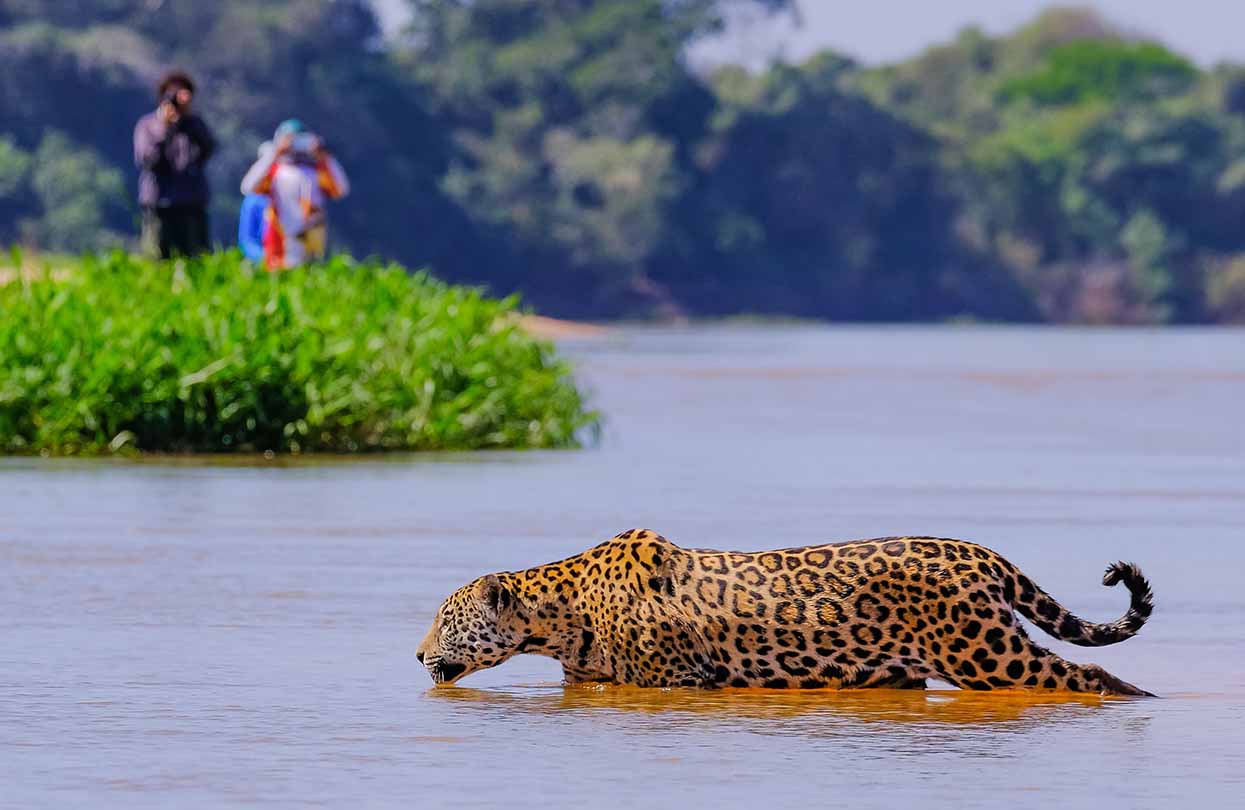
column 556, row 329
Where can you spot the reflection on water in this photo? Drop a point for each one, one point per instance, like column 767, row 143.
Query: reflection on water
column 238, row 632
column 728, row 705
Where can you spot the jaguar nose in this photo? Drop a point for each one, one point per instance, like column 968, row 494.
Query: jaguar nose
column 419, row 656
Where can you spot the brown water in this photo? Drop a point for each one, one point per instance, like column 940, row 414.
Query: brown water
column 190, row 634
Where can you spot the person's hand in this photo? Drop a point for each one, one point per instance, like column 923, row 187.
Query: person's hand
column 168, row 112
column 285, row 143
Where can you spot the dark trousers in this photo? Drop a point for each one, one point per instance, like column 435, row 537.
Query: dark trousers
column 177, row 230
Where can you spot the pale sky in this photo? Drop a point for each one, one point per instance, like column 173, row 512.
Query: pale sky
column 887, row 30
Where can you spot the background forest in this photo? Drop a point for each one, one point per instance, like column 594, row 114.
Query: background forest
column 566, row 149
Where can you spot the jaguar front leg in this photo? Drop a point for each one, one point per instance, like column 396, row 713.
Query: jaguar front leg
column 573, row 676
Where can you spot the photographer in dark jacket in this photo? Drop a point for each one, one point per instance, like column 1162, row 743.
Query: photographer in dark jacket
column 171, row 148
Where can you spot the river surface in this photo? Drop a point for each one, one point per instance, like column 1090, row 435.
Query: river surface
column 194, row 634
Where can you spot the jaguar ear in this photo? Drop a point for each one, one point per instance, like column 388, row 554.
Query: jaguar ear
column 494, row 594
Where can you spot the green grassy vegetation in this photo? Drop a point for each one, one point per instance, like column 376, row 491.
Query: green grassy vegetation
column 210, row 355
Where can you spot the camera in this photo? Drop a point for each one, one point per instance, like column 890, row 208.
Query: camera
column 170, row 97
column 305, row 146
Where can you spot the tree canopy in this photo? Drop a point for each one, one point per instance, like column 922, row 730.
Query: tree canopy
column 566, row 149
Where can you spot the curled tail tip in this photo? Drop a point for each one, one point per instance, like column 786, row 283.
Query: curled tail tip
column 1137, row 584
column 1128, row 573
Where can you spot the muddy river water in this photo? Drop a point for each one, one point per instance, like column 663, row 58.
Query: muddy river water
column 194, row 634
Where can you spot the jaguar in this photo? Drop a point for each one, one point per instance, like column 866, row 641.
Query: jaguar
column 885, row 612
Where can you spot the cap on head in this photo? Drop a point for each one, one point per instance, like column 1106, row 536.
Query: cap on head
column 290, row 126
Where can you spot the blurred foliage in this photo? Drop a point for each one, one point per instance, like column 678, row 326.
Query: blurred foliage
column 1088, row 69
column 63, row 194
column 1103, row 173
column 210, row 355
column 1068, row 171
column 811, row 201
column 573, row 124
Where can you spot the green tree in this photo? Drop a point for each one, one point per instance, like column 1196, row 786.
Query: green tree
column 812, row 201
column 1089, row 69
column 15, row 200
column 83, row 199
column 574, row 122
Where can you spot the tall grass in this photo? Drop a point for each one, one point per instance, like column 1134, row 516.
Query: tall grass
column 211, row 355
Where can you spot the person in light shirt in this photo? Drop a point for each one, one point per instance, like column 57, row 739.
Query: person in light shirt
column 299, row 176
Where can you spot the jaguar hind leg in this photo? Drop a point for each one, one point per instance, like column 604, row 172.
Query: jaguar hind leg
column 572, row 676
column 1003, row 657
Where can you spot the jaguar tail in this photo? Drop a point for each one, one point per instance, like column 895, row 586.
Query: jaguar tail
column 1038, row 607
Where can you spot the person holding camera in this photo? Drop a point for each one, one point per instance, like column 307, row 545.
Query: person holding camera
column 172, row 146
column 298, row 175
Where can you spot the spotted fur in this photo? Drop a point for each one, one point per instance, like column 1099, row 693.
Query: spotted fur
column 892, row 612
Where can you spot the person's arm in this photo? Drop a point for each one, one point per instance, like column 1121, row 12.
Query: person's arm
column 150, row 136
column 258, row 179
column 332, row 176
column 198, row 131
